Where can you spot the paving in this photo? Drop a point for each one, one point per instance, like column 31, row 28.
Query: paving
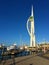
column 26, row 60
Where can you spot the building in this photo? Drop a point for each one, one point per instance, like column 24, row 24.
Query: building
column 44, row 46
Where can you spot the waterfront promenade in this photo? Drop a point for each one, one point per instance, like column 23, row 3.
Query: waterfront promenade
column 26, row 60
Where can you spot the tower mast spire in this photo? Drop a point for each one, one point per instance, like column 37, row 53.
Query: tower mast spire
column 32, row 11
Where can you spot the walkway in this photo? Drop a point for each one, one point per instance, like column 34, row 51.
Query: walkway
column 27, row 60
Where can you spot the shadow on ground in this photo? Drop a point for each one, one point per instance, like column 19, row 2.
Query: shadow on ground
column 30, row 64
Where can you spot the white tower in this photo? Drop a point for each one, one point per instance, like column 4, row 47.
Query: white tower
column 31, row 29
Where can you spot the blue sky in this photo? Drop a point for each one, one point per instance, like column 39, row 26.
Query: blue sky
column 13, row 18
